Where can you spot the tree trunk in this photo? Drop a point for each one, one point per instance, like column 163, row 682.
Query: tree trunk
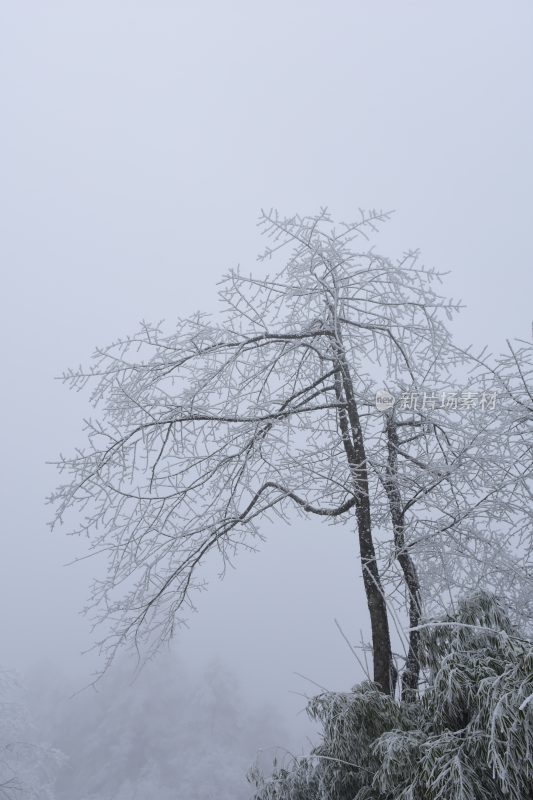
column 352, row 436
column 384, row 671
column 411, row 672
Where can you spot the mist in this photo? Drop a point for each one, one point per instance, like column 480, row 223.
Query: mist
column 139, row 142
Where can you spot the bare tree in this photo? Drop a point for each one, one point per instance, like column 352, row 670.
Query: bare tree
column 269, row 409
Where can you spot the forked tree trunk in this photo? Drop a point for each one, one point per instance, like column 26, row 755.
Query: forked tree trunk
column 352, row 437
column 411, row 673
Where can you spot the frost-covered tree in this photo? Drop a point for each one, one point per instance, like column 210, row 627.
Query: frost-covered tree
column 469, row 737
column 466, row 481
column 483, row 539
column 269, row 409
column 28, row 767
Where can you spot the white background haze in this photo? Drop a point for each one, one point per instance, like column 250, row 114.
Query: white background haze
column 138, row 142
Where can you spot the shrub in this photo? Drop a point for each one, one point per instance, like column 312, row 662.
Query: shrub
column 469, row 736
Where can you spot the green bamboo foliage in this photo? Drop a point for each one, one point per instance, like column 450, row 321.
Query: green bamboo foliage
column 469, row 737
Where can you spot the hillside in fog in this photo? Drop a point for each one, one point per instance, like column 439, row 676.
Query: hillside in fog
column 163, row 734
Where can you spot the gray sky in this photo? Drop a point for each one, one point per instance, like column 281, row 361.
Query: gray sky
column 138, row 142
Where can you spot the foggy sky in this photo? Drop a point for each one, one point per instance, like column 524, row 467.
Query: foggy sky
column 139, row 141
